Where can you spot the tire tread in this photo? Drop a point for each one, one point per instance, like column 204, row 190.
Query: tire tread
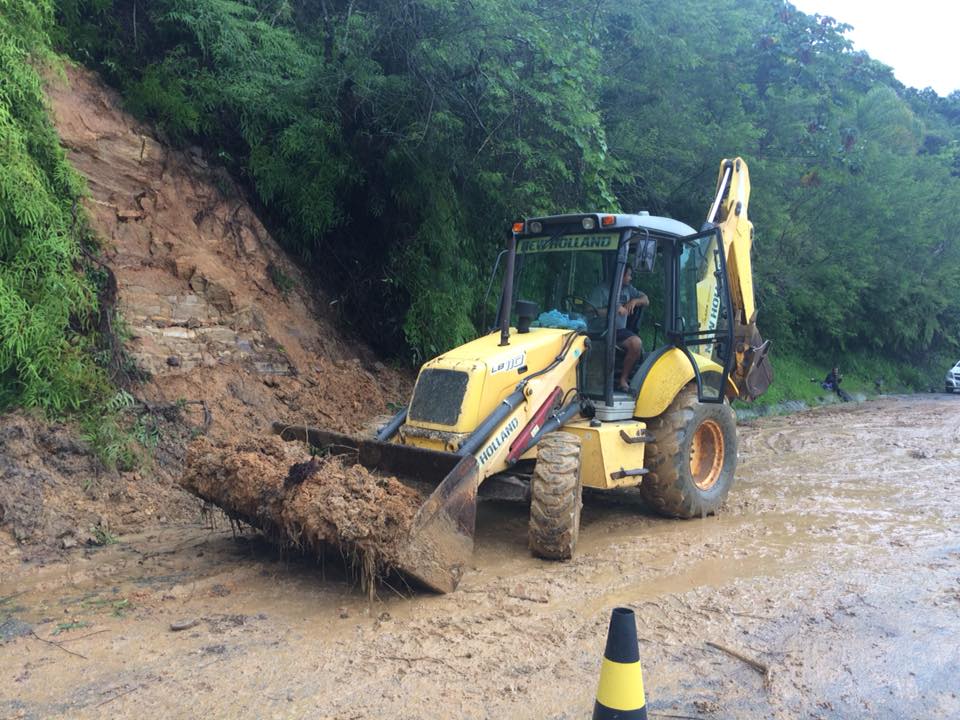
column 555, row 497
column 666, row 487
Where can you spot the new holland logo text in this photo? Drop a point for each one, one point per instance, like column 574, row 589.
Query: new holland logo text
column 567, row 242
column 714, row 317
column 498, row 441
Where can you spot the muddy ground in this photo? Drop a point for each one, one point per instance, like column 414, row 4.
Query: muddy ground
column 836, row 564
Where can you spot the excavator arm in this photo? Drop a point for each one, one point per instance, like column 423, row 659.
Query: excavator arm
column 751, row 371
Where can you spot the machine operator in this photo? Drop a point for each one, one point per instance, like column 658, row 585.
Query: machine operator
column 630, row 300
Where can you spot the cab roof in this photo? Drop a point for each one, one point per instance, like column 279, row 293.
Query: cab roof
column 655, row 223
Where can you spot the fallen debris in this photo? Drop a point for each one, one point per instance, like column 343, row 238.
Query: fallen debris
column 309, row 503
column 760, row 667
column 521, row 592
column 184, row 624
column 57, row 645
column 119, row 695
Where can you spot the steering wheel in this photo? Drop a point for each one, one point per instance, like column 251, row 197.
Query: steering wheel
column 579, row 304
column 635, row 319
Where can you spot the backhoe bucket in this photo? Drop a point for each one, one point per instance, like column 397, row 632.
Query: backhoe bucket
column 441, row 537
column 759, row 373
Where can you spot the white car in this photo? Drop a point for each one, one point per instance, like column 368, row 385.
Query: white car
column 953, row 378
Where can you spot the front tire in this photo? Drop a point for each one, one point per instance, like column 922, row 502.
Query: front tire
column 692, row 458
column 555, row 497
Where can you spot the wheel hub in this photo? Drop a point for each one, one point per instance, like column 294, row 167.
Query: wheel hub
column 706, row 454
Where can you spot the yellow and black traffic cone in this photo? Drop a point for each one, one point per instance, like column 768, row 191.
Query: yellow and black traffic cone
column 620, row 695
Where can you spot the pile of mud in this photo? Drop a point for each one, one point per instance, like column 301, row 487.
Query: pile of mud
column 54, row 492
column 313, row 504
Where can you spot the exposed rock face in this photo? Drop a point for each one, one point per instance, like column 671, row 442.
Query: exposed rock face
column 199, row 281
column 189, row 255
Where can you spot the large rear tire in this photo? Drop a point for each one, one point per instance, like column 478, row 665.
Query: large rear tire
column 555, row 497
column 692, row 458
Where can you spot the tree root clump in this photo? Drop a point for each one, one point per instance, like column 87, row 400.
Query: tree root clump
column 312, row 504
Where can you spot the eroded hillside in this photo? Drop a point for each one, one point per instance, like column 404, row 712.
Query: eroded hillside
column 228, row 332
column 216, row 310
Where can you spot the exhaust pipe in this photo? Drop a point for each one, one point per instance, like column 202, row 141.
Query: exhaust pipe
column 390, row 429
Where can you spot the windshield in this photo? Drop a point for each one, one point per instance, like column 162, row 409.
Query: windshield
column 569, row 277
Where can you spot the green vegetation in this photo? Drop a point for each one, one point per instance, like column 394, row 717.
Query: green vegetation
column 103, row 536
column 391, row 144
column 281, row 281
column 44, row 301
column 799, row 379
column 53, row 355
column 69, row 625
column 116, row 606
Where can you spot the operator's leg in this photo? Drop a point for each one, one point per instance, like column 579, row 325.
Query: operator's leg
column 633, row 349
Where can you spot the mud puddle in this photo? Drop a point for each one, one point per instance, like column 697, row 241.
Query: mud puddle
column 836, row 564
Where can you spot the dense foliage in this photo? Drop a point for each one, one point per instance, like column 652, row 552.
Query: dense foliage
column 57, row 352
column 43, row 299
column 390, row 144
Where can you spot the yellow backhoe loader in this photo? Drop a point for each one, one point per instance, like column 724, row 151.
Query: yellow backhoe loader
column 533, row 409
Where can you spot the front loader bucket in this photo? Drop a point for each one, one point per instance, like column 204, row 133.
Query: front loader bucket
column 441, row 537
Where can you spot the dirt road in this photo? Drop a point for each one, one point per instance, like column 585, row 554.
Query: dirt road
column 836, row 564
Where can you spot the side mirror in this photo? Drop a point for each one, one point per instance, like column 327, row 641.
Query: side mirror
column 645, row 252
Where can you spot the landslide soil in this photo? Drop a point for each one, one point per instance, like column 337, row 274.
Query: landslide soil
column 226, row 333
column 215, row 309
column 311, row 504
column 836, row 563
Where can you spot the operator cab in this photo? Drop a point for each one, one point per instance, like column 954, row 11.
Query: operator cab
column 569, row 274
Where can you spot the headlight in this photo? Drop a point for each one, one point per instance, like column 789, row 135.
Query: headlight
column 536, row 227
column 589, row 223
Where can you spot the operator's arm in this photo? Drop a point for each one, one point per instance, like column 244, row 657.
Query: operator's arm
column 637, row 299
column 598, row 298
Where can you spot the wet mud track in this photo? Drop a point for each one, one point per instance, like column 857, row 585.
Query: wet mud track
column 836, row 564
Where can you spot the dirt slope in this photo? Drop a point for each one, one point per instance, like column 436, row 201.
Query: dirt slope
column 53, row 491
column 198, row 278
column 216, row 312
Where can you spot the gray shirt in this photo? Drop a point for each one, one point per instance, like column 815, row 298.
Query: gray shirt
column 598, row 298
